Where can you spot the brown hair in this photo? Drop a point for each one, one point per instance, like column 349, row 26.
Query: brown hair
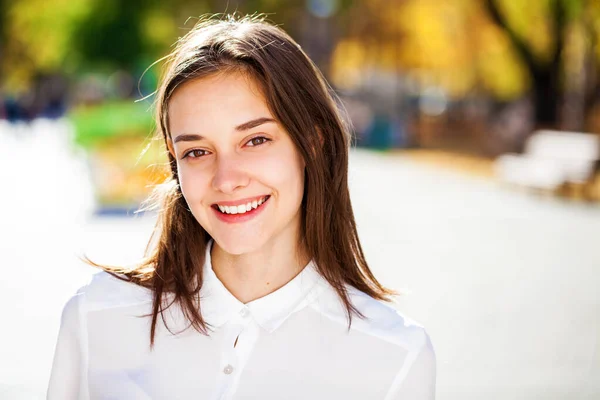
column 300, row 99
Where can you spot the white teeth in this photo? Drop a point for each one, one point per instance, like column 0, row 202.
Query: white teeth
column 242, row 208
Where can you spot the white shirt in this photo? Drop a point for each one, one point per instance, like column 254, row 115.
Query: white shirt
column 291, row 344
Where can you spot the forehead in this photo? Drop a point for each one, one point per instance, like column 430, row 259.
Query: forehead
column 220, row 101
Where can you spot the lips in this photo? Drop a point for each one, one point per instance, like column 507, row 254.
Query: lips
column 233, row 216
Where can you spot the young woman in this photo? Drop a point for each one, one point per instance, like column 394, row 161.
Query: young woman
column 257, row 286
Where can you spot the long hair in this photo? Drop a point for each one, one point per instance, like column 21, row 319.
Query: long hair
column 300, row 99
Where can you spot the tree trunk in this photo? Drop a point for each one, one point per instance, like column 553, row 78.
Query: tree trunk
column 546, row 90
column 547, row 97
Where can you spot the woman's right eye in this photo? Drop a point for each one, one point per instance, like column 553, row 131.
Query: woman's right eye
column 196, row 153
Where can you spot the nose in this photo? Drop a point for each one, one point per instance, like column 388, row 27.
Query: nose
column 229, row 175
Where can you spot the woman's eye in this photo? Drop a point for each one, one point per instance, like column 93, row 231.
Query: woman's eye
column 197, row 153
column 257, row 141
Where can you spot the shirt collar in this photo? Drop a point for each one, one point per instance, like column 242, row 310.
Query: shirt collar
column 218, row 305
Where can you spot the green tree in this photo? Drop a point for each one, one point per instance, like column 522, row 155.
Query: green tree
column 112, row 34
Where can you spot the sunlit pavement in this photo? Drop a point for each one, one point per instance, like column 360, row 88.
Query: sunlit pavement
column 505, row 283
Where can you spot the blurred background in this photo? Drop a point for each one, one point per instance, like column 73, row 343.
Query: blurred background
column 479, row 120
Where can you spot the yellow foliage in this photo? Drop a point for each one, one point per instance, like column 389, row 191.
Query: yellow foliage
column 159, row 28
column 437, row 38
column 425, row 41
column 43, row 27
column 530, row 19
column 38, row 34
column 500, row 70
column 453, row 45
column 347, row 62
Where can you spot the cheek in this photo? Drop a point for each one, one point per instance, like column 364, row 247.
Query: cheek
column 193, row 182
column 285, row 171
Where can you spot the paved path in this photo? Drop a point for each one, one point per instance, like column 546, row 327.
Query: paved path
column 505, row 283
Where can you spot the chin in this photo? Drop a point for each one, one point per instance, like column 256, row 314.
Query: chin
column 237, row 245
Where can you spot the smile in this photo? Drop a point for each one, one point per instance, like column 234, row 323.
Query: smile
column 242, row 208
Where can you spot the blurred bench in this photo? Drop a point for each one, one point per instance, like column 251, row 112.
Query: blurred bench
column 552, row 160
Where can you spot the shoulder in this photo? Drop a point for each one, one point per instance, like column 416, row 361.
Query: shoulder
column 381, row 320
column 386, row 322
column 105, row 291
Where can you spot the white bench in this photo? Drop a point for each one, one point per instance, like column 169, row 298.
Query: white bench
column 551, row 160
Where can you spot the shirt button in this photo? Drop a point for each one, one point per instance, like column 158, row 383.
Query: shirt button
column 244, row 312
column 228, row 369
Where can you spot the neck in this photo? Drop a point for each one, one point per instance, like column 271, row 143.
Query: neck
column 251, row 276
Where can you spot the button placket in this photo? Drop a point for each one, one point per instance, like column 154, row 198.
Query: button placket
column 234, row 359
column 229, row 359
column 241, row 321
column 244, row 312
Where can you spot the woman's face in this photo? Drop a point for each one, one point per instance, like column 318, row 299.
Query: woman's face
column 239, row 171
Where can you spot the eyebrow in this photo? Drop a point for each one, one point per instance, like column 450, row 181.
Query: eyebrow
column 190, row 137
column 253, row 123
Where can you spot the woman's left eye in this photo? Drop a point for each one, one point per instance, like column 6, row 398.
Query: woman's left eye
column 257, row 141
